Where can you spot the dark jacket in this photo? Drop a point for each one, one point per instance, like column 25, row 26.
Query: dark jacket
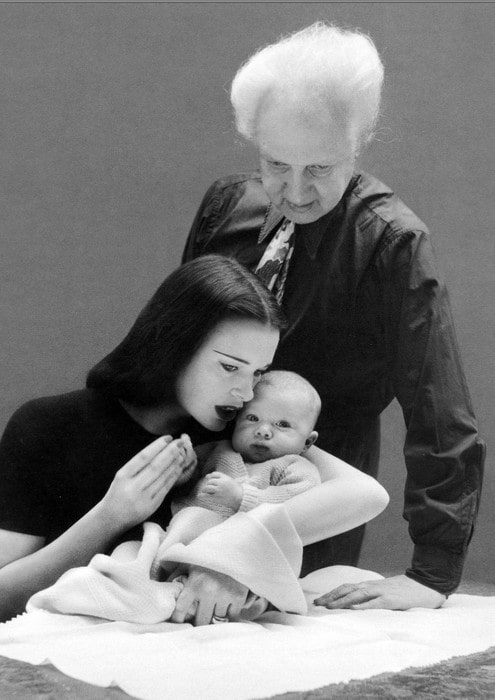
column 370, row 320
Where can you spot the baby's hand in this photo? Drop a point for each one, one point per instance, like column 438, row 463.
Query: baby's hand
column 223, row 488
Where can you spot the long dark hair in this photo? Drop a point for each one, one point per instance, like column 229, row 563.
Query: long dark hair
column 188, row 305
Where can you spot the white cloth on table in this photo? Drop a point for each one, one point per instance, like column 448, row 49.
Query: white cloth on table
column 278, row 653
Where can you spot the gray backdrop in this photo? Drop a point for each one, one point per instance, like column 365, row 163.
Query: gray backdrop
column 114, row 120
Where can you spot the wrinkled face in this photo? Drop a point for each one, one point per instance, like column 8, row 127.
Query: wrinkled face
column 306, row 162
column 221, row 375
column 273, row 424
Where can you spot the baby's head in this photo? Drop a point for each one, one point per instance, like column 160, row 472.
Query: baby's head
column 279, row 419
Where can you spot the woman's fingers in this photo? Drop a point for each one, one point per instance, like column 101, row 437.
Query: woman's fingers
column 172, row 454
column 159, row 488
column 204, row 611
column 233, row 612
column 223, row 611
column 185, row 601
column 213, row 592
column 344, row 596
column 140, row 486
column 139, row 461
column 159, row 454
column 166, row 465
column 190, row 454
column 393, row 593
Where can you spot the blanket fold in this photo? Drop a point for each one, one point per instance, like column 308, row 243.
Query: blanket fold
column 261, row 549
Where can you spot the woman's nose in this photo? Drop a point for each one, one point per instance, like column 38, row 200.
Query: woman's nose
column 297, row 187
column 244, row 392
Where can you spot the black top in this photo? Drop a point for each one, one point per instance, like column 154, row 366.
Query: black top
column 370, row 320
column 58, row 456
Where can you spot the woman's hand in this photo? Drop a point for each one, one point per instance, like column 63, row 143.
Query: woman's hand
column 140, row 486
column 207, row 594
column 394, row 593
column 190, row 461
column 136, row 491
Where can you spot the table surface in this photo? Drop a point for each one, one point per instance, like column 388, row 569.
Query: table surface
column 22, row 681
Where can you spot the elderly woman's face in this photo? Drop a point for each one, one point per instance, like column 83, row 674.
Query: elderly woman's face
column 306, row 163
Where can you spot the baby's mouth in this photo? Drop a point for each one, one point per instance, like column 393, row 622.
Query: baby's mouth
column 259, row 452
column 226, row 413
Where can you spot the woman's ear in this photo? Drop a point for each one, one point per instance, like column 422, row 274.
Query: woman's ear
column 310, row 440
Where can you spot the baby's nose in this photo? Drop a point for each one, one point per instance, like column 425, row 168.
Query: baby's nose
column 263, row 430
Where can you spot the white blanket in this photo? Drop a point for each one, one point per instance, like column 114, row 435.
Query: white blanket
column 261, row 549
column 278, row 653
column 304, row 649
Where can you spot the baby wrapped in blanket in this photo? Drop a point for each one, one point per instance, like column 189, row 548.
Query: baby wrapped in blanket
column 258, row 546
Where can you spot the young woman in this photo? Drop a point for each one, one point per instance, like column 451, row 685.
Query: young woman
column 189, row 363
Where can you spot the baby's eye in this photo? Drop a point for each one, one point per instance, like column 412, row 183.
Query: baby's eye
column 251, row 418
column 283, row 424
column 229, row 368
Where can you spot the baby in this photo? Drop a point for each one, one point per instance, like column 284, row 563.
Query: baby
column 263, row 462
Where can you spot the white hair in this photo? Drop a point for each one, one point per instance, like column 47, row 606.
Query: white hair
column 319, row 67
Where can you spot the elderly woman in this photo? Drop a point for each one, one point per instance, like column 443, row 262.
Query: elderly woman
column 369, row 314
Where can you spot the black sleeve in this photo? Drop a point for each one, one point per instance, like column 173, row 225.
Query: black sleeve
column 25, row 499
column 201, row 226
column 443, row 452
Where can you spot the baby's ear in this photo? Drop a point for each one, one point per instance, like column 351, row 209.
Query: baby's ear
column 310, row 440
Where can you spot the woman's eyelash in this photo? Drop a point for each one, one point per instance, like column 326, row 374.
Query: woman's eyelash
column 229, row 368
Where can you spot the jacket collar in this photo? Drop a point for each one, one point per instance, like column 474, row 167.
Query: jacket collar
column 271, row 221
column 312, row 233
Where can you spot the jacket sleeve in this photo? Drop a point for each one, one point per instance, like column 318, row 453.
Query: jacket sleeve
column 443, row 452
column 203, row 221
column 289, row 476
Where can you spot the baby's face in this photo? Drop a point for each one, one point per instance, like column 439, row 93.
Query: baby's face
column 273, row 424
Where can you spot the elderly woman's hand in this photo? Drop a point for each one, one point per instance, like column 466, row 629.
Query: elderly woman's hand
column 140, row 486
column 207, row 595
column 394, row 593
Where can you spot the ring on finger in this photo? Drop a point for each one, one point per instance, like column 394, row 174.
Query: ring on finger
column 217, row 619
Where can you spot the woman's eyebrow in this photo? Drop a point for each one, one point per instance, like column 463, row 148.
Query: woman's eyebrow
column 232, row 357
